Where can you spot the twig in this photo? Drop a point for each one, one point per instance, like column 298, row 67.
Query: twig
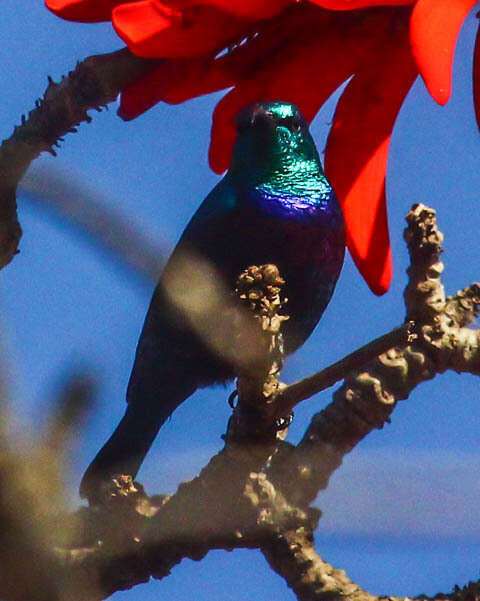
column 307, row 387
column 368, row 397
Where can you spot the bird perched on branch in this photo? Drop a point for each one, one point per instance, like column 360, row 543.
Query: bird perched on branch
column 274, row 205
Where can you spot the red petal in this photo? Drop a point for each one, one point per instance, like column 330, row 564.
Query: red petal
column 356, row 155
column 223, row 125
column 254, row 63
column 344, row 46
column 176, row 80
column 87, row 11
column 476, row 77
column 293, row 73
column 137, row 23
column 152, row 30
column 247, row 9
column 274, row 35
column 353, row 4
column 434, row 28
column 172, row 81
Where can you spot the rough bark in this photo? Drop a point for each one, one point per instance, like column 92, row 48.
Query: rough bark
column 93, row 84
column 256, row 492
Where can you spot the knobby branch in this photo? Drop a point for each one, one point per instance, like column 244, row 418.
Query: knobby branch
column 257, row 492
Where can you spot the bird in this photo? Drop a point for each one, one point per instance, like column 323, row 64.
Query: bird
column 273, row 205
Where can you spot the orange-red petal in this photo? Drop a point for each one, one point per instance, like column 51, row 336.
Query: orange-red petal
column 354, row 4
column 305, row 72
column 434, row 29
column 223, row 123
column 476, row 77
column 175, row 80
column 246, row 9
column 263, row 57
column 153, row 30
column 86, row 11
column 357, row 151
column 316, row 66
column 172, row 81
column 138, row 23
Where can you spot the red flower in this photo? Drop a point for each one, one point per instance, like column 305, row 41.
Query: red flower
column 298, row 51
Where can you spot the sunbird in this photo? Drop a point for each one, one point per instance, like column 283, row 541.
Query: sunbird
column 274, row 205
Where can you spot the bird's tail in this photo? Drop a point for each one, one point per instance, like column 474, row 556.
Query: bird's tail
column 125, row 450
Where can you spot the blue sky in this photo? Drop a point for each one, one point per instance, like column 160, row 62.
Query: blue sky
column 401, row 515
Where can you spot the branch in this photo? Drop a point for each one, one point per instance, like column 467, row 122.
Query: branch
column 32, row 496
column 366, row 400
column 293, row 557
column 257, row 495
column 369, row 395
column 142, row 537
column 92, row 84
column 306, row 388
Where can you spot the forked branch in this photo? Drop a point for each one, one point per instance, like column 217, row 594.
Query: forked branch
column 256, row 493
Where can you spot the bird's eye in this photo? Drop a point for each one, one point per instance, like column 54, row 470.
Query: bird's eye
column 263, row 120
column 258, row 119
column 294, row 123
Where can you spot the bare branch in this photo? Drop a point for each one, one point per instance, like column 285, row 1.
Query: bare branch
column 94, row 83
column 369, row 394
column 144, row 536
column 255, row 495
column 424, row 294
column 293, row 556
column 259, row 288
column 307, row 387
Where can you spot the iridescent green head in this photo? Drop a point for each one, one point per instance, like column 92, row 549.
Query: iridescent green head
column 273, row 140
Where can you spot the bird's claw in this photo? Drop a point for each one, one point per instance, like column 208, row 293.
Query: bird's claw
column 231, row 399
column 283, row 422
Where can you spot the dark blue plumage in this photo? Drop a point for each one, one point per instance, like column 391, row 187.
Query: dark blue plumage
column 273, row 206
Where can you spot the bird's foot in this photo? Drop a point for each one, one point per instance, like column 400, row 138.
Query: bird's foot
column 281, row 423
column 231, row 399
